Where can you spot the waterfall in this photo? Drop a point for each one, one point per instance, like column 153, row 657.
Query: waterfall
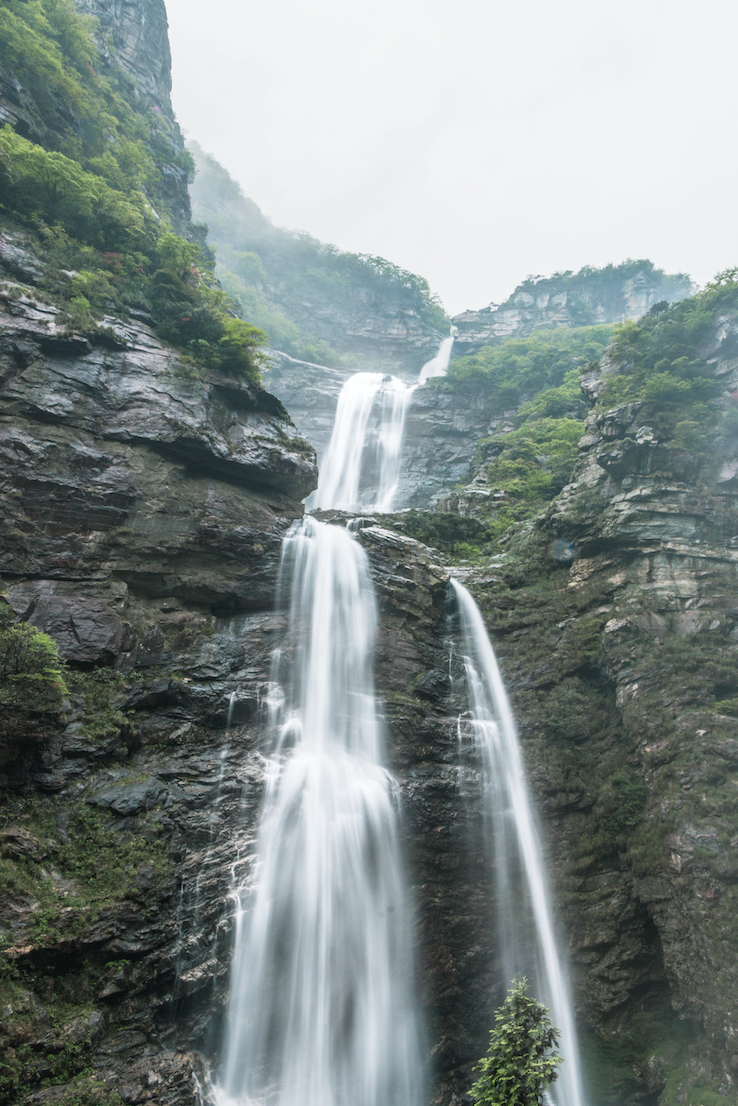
column 321, row 1005
column 525, row 949
column 437, row 365
column 362, row 463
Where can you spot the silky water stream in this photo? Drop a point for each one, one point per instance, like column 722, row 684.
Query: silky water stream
column 321, row 1009
column 527, row 944
column 362, row 463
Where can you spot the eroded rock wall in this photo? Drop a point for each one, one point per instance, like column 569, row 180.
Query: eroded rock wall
column 143, row 508
column 589, row 297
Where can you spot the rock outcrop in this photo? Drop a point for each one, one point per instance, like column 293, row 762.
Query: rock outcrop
column 590, row 296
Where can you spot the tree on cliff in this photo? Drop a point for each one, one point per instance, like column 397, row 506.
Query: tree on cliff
column 517, row 1069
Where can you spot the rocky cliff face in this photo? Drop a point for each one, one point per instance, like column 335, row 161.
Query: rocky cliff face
column 608, row 295
column 143, row 510
column 133, row 53
column 144, row 504
column 615, row 616
column 135, row 33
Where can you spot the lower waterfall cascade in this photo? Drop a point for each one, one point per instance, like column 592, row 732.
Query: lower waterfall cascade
column 322, row 1009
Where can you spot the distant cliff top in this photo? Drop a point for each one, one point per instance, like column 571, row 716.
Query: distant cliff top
column 608, row 295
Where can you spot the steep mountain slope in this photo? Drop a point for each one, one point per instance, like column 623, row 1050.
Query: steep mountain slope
column 315, row 302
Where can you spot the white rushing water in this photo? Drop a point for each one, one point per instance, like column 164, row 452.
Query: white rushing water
column 362, row 463
column 321, row 1006
column 438, row 365
column 526, row 949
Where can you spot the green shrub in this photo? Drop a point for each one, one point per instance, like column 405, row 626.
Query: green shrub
column 519, row 1064
column 37, row 183
column 196, row 315
column 30, row 669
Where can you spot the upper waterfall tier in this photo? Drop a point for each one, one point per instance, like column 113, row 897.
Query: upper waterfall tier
column 361, row 467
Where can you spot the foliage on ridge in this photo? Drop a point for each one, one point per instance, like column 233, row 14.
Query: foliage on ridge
column 661, row 363
column 530, row 387
column 90, row 185
column 604, row 286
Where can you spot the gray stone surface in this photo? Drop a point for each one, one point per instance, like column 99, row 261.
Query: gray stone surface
column 544, row 303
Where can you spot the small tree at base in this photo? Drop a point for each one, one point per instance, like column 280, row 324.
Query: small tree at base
column 516, row 1069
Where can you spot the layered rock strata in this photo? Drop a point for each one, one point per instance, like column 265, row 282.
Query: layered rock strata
column 143, row 511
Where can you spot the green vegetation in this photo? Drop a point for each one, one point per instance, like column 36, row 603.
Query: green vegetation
column 30, row 669
column 519, row 1064
column 90, row 181
column 660, row 365
column 38, row 184
column 518, row 369
column 283, row 280
column 74, row 865
column 98, row 689
column 100, row 862
column 94, row 119
column 531, row 454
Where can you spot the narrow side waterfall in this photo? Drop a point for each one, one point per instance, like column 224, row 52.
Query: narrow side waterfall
column 438, row 365
column 321, row 998
column 528, row 944
column 362, row 463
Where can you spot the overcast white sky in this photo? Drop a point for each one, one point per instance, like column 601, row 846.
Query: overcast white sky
column 478, row 141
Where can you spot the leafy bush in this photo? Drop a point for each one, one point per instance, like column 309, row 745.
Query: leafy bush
column 534, row 462
column 658, row 357
column 193, row 313
column 519, row 1065
column 30, row 669
column 38, row 184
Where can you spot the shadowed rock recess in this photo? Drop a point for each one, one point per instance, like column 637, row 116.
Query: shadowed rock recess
column 144, row 504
